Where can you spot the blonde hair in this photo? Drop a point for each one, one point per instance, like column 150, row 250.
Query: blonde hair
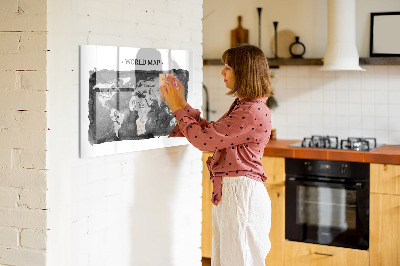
column 250, row 66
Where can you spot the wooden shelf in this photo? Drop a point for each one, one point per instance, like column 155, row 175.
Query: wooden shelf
column 380, row 61
column 212, row 62
column 274, row 63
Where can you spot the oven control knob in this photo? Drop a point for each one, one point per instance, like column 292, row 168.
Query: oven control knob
column 343, row 168
column 308, row 166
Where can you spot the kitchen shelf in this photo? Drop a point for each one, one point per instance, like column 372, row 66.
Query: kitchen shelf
column 380, row 61
column 274, row 63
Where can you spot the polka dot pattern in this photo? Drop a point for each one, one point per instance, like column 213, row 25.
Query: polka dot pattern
column 238, row 139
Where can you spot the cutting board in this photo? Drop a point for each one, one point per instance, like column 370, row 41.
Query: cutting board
column 239, row 35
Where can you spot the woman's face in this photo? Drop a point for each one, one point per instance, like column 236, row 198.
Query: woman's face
column 229, row 76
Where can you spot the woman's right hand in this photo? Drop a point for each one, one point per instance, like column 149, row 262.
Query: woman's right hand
column 181, row 89
column 173, row 94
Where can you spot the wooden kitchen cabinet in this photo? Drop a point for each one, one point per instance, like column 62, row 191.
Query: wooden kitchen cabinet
column 305, row 254
column 274, row 168
column 384, row 236
column 206, row 225
column 385, row 215
column 277, row 233
column 385, row 178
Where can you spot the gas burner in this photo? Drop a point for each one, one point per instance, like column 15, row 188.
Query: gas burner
column 327, row 142
column 358, row 144
column 332, row 142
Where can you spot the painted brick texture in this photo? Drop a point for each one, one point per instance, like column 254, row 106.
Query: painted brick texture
column 141, row 208
column 105, row 197
column 9, row 237
column 33, row 239
column 23, row 125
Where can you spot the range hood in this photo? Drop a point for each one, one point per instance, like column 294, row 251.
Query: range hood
column 341, row 51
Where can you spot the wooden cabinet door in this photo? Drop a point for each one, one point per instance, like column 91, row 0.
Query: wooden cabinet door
column 385, row 178
column 277, row 233
column 384, row 230
column 206, row 226
column 274, row 168
column 304, row 254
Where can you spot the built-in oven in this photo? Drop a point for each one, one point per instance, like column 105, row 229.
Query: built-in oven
column 327, row 202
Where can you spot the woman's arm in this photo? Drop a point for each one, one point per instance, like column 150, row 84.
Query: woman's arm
column 238, row 128
column 235, row 129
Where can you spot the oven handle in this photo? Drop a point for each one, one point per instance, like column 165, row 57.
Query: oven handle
column 357, row 185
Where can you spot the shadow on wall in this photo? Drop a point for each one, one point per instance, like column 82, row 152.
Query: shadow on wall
column 155, row 201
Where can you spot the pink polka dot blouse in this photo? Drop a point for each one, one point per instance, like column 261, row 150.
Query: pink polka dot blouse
column 238, row 139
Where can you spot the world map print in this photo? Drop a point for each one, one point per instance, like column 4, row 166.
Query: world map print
column 128, row 105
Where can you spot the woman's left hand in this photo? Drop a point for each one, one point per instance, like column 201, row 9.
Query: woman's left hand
column 172, row 98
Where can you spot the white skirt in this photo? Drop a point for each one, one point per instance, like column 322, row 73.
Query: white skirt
column 241, row 223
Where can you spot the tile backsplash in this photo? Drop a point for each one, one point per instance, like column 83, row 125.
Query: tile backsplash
column 339, row 103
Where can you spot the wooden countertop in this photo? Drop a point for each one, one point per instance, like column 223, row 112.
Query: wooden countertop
column 389, row 154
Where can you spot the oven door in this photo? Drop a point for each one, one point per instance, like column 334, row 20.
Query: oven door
column 327, row 213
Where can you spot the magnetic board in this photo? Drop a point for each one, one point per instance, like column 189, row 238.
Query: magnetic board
column 122, row 107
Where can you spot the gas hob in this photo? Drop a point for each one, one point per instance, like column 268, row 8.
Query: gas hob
column 332, row 142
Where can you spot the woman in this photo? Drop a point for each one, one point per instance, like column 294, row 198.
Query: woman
column 242, row 208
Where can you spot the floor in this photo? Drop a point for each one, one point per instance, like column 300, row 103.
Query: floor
column 206, row 261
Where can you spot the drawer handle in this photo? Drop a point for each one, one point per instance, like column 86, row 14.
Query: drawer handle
column 324, row 254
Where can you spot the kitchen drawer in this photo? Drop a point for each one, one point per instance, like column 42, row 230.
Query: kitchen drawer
column 305, row 254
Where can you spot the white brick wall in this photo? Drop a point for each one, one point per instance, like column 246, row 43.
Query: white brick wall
column 8, row 197
column 141, row 208
column 33, row 239
column 9, row 237
column 115, row 210
column 11, row 256
column 23, row 132
column 23, row 178
column 23, row 218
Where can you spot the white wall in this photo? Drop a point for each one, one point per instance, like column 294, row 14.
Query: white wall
column 343, row 104
column 306, row 19
column 23, row 133
column 141, row 208
column 311, row 102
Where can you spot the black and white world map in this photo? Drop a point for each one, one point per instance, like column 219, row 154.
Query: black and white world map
column 128, row 105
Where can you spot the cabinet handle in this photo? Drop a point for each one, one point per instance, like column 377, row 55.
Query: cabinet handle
column 324, row 254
